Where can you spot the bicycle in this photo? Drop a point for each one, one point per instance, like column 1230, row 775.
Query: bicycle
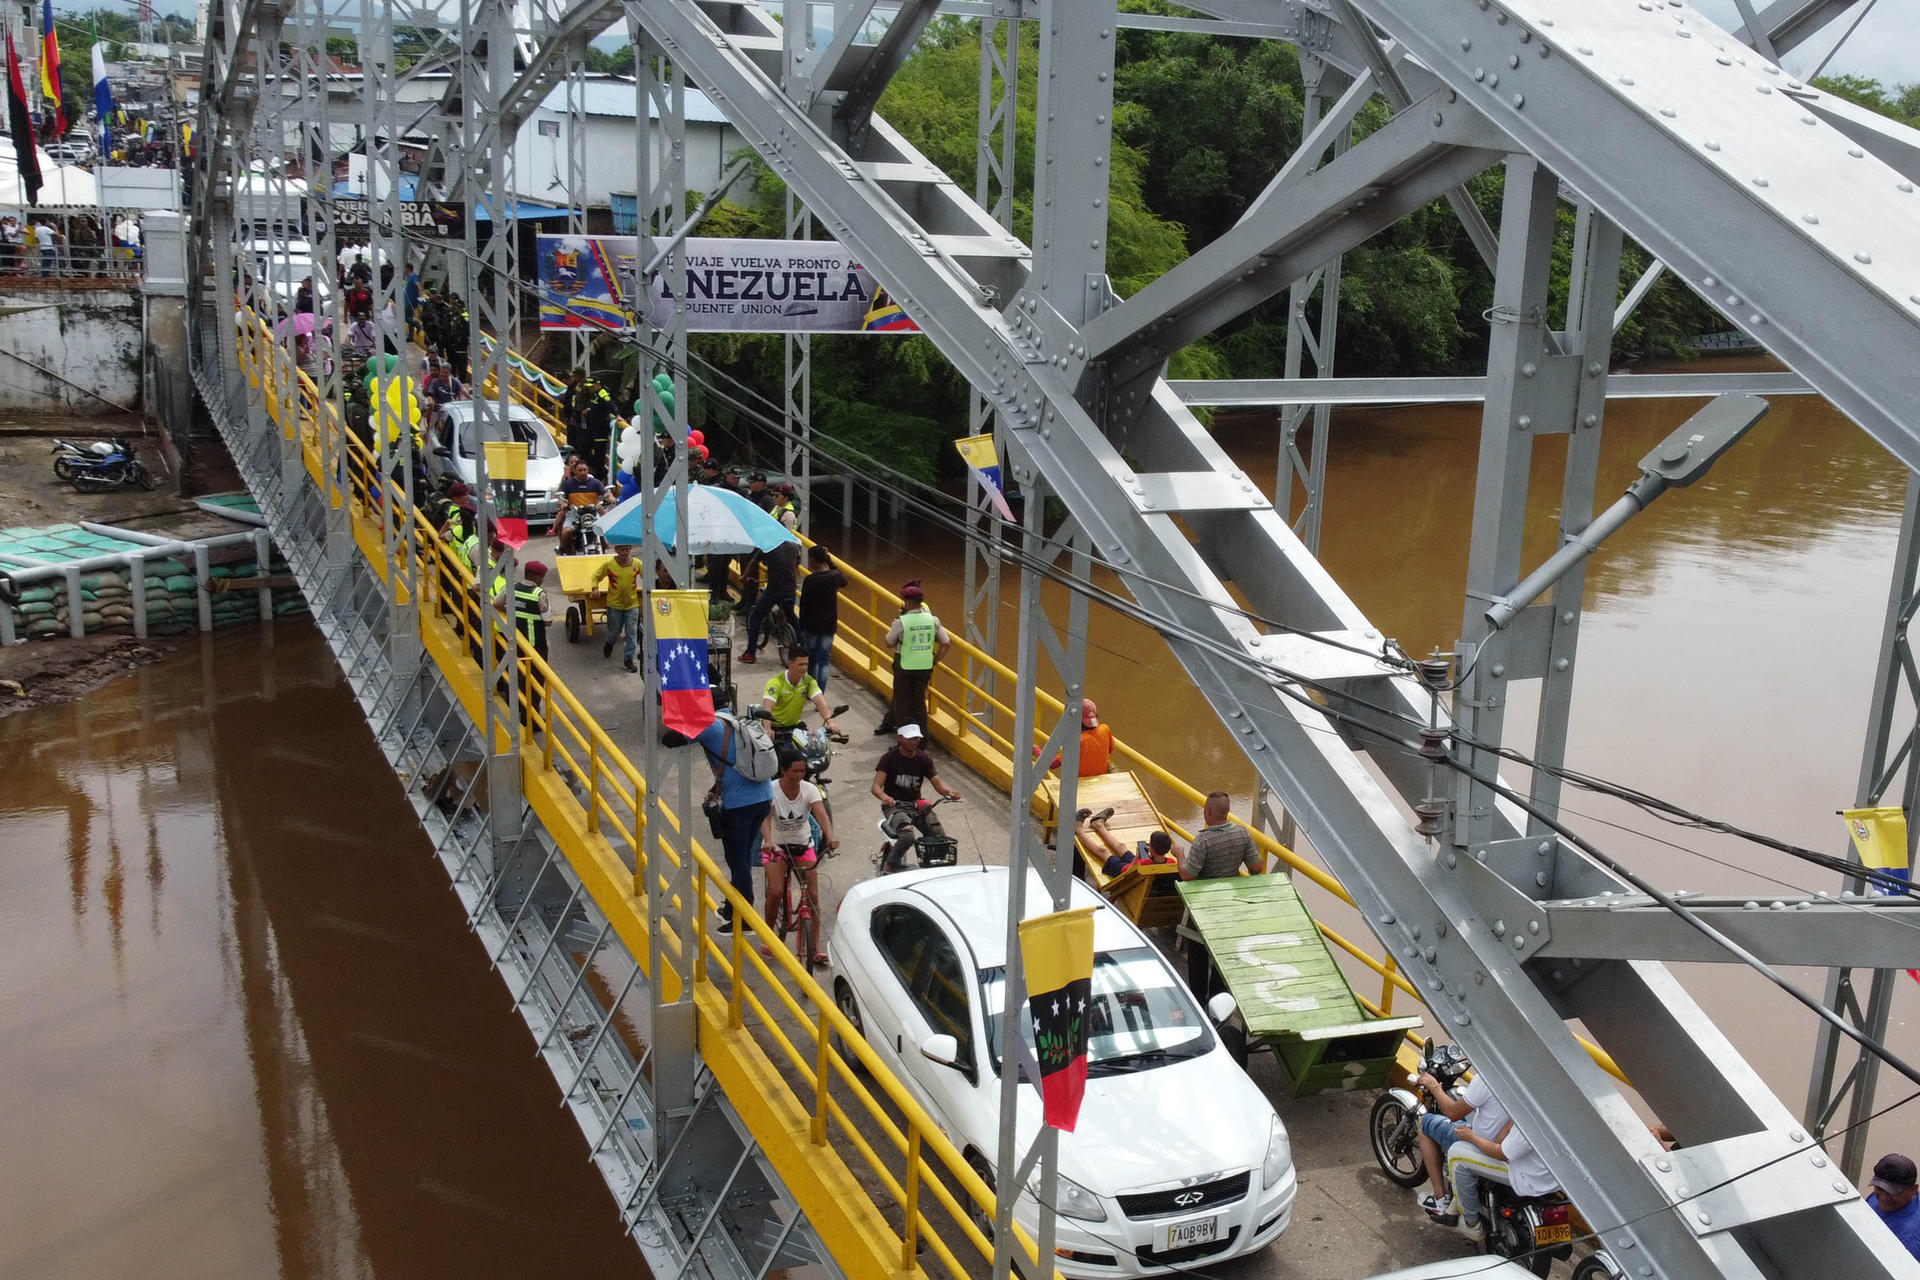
column 800, row 919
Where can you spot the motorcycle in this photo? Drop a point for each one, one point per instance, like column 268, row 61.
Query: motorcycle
column 93, row 466
column 1531, row 1230
column 815, row 745
column 901, row 828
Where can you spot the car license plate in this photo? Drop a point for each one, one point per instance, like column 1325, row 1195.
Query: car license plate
column 1181, row 1235
column 1553, row 1233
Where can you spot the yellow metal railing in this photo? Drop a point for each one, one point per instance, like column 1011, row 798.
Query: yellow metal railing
column 860, row 650
column 877, row 1177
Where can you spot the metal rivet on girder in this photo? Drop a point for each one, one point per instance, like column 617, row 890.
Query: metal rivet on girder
column 1595, row 369
column 1904, row 186
column 1712, row 145
column 1499, row 668
column 1586, row 50
column 1709, row 281
column 1770, row 69
column 1810, row 219
column 1524, row 422
column 1705, row 1219
column 1668, row 112
column 1819, row 1162
column 1759, row 182
column 1808, row 120
column 1387, row 918
column 1764, row 88
column 1792, row 84
column 1438, row 120
column 1513, row 62
column 1479, row 74
column 1499, row 928
column 1519, row 943
column 1546, row 22
column 1540, row 878
column 1451, row 861
column 1724, row 61
column 1493, row 80
column 1526, row 36
column 1795, row 1135
column 1500, row 19
column 1864, row 259
column 1462, row 1018
column 1756, row 318
column 1429, row 955
column 1529, row 369
column 1664, row 1165
column 1591, row 420
column 1561, row 664
column 1840, row 1186
column 1465, row 44
column 1684, row 34
column 1856, row 152
column 1627, row 80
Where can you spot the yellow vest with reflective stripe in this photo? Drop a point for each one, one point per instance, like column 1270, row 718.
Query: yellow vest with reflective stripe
column 919, row 636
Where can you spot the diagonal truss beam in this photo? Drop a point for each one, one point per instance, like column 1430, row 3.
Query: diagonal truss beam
column 1421, row 153
column 1824, row 931
column 1706, row 160
column 1177, row 562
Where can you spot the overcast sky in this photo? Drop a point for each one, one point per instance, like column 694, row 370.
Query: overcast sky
column 1886, row 47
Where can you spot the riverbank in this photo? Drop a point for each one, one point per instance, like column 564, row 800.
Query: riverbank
column 41, row 673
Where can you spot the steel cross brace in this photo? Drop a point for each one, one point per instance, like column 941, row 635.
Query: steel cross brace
column 1419, row 906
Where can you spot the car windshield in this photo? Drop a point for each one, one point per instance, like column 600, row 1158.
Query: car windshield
column 539, row 443
column 1139, row 1016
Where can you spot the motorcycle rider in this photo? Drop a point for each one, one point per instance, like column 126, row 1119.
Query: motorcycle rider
column 897, row 780
column 787, row 695
column 1470, row 1154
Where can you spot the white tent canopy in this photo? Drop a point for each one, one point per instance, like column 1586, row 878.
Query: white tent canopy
column 62, row 186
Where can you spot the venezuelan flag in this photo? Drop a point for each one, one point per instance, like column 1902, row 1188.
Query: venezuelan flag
column 983, row 460
column 885, row 316
column 50, row 69
column 1057, row 953
column 680, row 639
column 1880, row 836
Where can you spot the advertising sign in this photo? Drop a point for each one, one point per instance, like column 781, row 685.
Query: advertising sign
column 441, row 218
column 732, row 286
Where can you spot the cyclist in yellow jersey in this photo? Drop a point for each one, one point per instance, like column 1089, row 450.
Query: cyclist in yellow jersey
column 788, row 694
column 623, row 602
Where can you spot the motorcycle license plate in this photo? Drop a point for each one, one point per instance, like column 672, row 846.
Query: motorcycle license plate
column 1553, row 1233
column 1181, row 1235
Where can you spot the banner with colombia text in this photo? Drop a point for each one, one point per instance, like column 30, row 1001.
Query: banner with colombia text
column 732, row 286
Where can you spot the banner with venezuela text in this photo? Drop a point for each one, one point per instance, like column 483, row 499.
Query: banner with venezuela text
column 1057, row 953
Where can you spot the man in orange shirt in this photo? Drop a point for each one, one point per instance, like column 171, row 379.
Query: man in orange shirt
column 1096, row 743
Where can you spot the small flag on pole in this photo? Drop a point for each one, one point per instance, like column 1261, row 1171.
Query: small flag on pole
column 20, row 125
column 50, row 69
column 102, row 93
column 1880, row 838
column 507, row 477
column 984, row 461
column 680, row 640
column 884, row 315
column 1057, row 953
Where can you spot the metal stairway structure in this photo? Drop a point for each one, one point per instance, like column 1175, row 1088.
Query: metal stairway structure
column 1793, row 217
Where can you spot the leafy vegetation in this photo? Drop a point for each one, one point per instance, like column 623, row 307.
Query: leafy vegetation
column 1200, row 128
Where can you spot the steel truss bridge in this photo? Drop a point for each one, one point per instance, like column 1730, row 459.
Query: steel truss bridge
column 1792, row 213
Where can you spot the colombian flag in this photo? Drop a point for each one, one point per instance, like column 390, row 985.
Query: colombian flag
column 885, row 316
column 680, row 639
column 984, row 461
column 50, row 69
column 1880, row 838
column 1057, row 953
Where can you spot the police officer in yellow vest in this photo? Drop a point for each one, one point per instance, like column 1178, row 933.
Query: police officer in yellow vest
column 529, row 605
column 918, row 642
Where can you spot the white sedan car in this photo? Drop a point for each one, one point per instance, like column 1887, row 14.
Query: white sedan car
column 1178, row 1158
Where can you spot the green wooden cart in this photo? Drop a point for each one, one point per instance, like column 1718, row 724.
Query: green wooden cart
column 1292, row 996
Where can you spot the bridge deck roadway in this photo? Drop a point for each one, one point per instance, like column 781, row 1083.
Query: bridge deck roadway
column 1349, row 1221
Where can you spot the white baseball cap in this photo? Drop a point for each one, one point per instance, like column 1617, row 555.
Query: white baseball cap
column 909, row 731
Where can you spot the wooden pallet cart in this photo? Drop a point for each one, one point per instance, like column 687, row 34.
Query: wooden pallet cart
column 1294, row 999
column 1143, row 891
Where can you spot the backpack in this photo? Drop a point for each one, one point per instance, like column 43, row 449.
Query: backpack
column 754, row 758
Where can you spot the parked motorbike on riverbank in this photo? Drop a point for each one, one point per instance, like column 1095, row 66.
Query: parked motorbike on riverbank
column 94, row 466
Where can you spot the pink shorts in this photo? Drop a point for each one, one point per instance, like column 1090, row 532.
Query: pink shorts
column 801, row 855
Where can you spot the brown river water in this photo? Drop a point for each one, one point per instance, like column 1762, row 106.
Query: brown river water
column 244, row 1031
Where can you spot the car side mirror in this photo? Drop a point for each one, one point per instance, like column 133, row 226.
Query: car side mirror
column 943, row 1049
column 1221, row 1006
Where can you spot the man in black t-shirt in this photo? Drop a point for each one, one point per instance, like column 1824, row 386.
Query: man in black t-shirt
column 897, row 779
column 819, row 612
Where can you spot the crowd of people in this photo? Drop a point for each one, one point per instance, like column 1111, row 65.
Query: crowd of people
column 70, row 245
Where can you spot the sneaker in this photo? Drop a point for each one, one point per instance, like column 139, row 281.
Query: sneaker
column 1440, row 1209
column 606, row 650
column 628, row 664
column 725, row 925
column 1475, row 1230
column 747, row 658
column 882, row 730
